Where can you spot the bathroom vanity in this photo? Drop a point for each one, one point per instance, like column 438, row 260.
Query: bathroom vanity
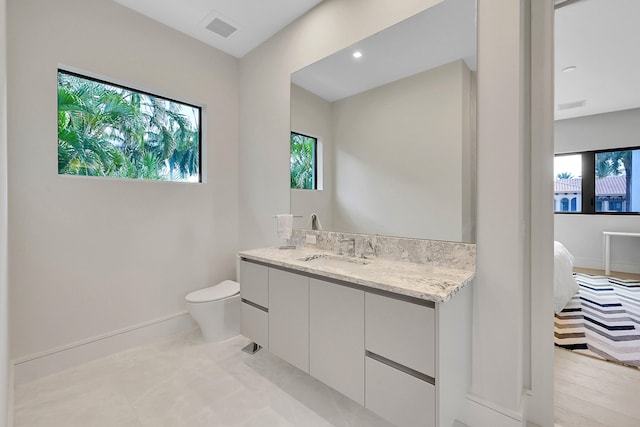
column 389, row 323
column 392, row 335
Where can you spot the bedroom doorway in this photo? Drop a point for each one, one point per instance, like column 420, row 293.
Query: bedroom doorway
column 597, row 109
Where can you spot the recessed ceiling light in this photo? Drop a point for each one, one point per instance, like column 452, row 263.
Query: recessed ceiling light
column 569, row 69
column 357, row 54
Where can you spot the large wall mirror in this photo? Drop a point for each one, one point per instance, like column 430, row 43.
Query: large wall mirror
column 384, row 130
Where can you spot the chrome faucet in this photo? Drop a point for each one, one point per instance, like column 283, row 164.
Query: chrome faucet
column 352, row 252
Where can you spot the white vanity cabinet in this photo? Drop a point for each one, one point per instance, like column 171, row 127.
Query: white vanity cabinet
column 254, row 292
column 289, row 317
column 336, row 337
column 404, row 358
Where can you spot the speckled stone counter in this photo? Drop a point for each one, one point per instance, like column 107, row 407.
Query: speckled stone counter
column 418, row 280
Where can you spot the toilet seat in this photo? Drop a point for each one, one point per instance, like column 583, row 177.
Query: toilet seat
column 222, row 290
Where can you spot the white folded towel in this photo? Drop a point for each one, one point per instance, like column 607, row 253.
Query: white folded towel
column 285, row 226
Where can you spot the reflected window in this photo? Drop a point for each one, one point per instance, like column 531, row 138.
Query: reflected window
column 304, row 154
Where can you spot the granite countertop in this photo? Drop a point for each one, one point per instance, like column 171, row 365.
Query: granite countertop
column 423, row 281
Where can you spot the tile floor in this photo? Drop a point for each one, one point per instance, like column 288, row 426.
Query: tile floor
column 183, row 381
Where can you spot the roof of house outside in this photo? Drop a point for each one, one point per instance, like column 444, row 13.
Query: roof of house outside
column 571, row 185
column 607, row 186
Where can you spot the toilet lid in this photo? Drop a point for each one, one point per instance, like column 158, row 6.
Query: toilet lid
column 226, row 289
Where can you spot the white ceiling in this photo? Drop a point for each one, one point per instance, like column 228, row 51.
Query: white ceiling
column 256, row 20
column 600, row 38
column 437, row 36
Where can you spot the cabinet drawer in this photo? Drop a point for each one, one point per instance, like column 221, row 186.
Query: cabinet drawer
column 254, row 283
column 400, row 398
column 255, row 325
column 401, row 331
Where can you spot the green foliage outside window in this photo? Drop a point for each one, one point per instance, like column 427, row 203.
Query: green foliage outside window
column 303, row 150
column 107, row 130
column 564, row 175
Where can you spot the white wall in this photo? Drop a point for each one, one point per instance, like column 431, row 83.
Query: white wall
column 4, row 318
column 399, row 157
column 91, row 256
column 311, row 115
column 582, row 234
column 538, row 300
column 513, row 291
column 500, row 291
column 597, row 132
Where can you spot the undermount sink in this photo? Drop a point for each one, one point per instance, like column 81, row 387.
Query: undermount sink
column 330, row 259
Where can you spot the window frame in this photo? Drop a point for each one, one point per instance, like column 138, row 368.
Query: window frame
column 589, row 181
column 314, row 162
column 104, row 81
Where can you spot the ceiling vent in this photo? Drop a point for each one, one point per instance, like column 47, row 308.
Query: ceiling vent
column 221, row 28
column 570, row 105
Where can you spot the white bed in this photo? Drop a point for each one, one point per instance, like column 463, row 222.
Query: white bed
column 564, row 284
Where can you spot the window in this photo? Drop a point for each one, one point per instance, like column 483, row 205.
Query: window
column 610, row 183
column 304, row 150
column 617, row 181
column 109, row 130
column 568, row 183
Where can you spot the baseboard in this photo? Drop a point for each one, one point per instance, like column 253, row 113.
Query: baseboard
column 35, row 366
column 598, row 264
column 483, row 413
column 595, row 264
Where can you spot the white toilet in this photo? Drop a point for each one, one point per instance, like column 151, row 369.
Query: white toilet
column 216, row 309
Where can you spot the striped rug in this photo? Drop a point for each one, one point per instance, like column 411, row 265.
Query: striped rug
column 602, row 320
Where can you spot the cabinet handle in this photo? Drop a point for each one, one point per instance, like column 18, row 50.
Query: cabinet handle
column 417, row 374
column 254, row 305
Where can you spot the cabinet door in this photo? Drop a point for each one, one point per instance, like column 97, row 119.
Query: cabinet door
column 400, row 398
column 336, row 337
column 289, row 317
column 401, row 331
column 254, row 283
column 255, row 325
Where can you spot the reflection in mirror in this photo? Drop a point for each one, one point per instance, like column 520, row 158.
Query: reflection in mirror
column 395, row 129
